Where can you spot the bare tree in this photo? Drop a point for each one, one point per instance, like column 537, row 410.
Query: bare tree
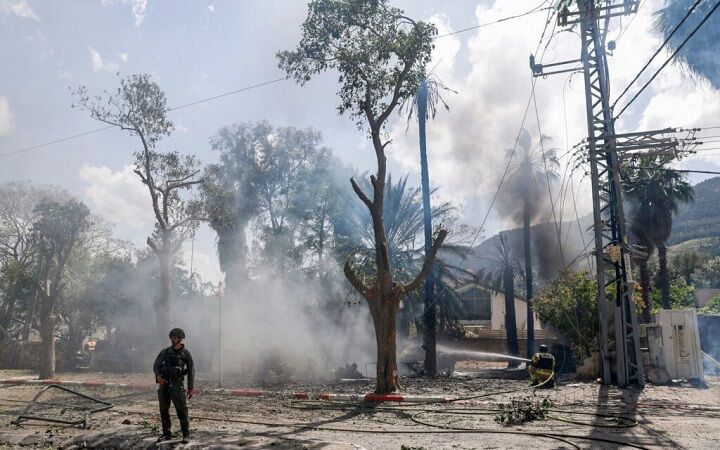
column 139, row 107
column 381, row 55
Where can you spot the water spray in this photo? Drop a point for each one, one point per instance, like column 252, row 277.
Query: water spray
column 479, row 356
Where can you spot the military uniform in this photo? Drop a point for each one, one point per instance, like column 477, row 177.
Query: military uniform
column 542, row 368
column 173, row 365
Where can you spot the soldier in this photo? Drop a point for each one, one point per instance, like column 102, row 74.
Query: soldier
column 542, row 368
column 171, row 366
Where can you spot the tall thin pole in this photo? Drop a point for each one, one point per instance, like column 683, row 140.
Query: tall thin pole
column 429, row 315
column 220, row 297
column 530, row 320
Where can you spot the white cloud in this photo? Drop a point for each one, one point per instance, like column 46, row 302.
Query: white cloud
column 211, row 8
column 124, row 57
column 99, row 65
column 466, row 146
column 118, row 196
column 489, row 69
column 20, row 9
column 6, row 118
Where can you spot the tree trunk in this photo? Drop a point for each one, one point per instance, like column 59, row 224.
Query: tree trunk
column 528, row 279
column 645, row 287
column 383, row 313
column 510, row 323
column 664, row 278
column 429, row 315
column 162, row 304
column 47, row 334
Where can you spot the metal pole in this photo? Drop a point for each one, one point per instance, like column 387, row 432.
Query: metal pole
column 220, row 296
column 597, row 218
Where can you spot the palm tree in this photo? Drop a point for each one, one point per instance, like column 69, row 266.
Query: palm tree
column 503, row 274
column 657, row 193
column 532, row 175
column 426, row 101
column 404, row 223
column 642, row 239
column 699, row 53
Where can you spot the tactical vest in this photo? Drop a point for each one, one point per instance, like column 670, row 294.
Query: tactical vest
column 174, row 365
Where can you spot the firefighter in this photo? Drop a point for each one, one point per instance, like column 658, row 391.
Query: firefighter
column 542, row 368
column 171, row 366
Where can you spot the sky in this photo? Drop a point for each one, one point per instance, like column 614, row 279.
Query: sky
column 199, row 49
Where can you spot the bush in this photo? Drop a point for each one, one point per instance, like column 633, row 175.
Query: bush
column 681, row 296
column 569, row 303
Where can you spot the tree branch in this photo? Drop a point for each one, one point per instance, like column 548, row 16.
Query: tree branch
column 183, row 184
column 361, row 194
column 152, row 245
column 427, row 265
column 354, row 280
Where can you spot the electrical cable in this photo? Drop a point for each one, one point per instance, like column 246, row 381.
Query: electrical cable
column 667, row 61
column 510, row 158
column 504, row 19
column 657, row 52
column 666, row 169
column 236, row 91
column 97, row 130
column 632, row 19
column 547, row 177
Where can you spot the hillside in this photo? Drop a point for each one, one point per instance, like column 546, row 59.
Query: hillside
column 699, row 220
column 696, row 227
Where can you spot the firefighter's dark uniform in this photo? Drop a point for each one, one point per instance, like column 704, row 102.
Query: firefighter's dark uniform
column 542, row 368
column 173, row 365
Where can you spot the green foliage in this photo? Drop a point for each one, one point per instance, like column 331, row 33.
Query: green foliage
column 712, row 308
column 403, row 218
column 654, row 196
column 569, row 303
column 708, row 275
column 698, row 55
column 279, row 179
column 381, row 55
column 523, row 410
column 681, row 296
column 683, row 266
column 700, row 219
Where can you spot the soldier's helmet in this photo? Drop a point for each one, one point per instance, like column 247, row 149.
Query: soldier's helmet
column 178, row 333
column 543, row 348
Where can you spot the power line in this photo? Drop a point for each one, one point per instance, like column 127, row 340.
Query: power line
column 547, row 176
column 97, row 130
column 677, row 50
column 632, row 19
column 236, row 91
column 657, row 52
column 504, row 19
column 665, row 169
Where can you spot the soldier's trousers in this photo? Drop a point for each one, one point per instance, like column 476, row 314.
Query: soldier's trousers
column 176, row 395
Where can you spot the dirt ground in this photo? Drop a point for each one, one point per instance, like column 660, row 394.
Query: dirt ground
column 677, row 416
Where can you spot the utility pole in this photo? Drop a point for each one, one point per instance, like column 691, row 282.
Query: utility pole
column 605, row 150
column 611, row 246
column 429, row 314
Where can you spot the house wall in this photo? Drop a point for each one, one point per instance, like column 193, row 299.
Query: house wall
column 497, row 321
column 702, row 296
